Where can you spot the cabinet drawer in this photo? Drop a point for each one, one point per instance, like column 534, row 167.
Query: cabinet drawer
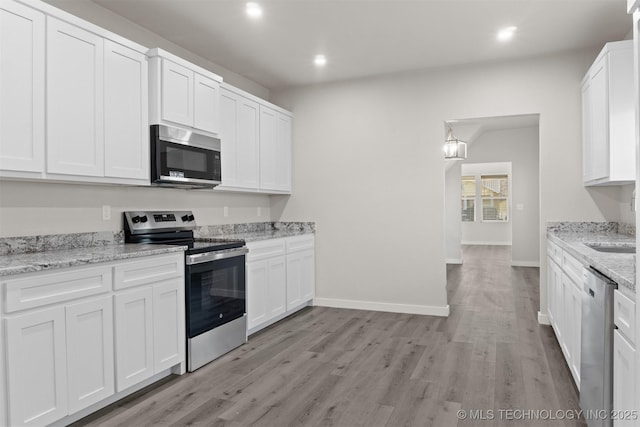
column 148, row 270
column 624, row 316
column 554, row 252
column 265, row 249
column 572, row 267
column 49, row 288
column 300, row 243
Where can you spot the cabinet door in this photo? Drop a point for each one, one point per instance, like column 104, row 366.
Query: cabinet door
column 168, row 323
column 277, row 286
column 75, row 116
column 206, row 111
column 283, row 152
column 268, row 148
column 587, row 139
column 624, row 386
column 239, row 134
column 576, row 328
column 36, row 367
column 89, row 328
column 266, row 288
column 559, row 305
column 126, row 133
column 300, row 278
column 567, row 324
column 257, row 293
column 599, row 118
column 551, row 285
column 177, row 93
column 133, row 337
column 22, row 56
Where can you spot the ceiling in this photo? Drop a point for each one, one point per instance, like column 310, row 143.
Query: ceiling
column 370, row 37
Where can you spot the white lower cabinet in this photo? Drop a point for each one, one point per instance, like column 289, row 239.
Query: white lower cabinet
column 84, row 336
column 300, row 271
column 564, row 300
column 624, row 360
column 36, row 367
column 89, row 326
column 134, row 337
column 280, row 279
column 266, row 282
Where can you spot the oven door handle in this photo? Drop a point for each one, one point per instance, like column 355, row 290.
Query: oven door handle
column 215, row 256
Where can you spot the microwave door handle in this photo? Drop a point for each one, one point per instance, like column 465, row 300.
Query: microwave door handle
column 188, row 180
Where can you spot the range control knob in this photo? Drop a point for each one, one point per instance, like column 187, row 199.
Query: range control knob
column 185, row 218
column 143, row 219
column 191, row 217
column 135, row 219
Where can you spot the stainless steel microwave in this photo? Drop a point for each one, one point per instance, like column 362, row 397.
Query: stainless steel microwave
column 182, row 158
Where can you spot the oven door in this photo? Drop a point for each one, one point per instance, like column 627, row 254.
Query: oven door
column 215, row 289
column 179, row 159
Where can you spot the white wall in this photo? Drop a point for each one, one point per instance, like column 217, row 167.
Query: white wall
column 368, row 166
column 520, row 147
column 32, row 208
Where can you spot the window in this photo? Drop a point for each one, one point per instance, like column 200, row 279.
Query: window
column 468, row 192
column 495, row 189
column 490, row 192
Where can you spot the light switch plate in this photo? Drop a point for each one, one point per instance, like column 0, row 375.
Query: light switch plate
column 106, row 212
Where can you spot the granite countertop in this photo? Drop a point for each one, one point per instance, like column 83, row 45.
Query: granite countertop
column 619, row 267
column 253, row 232
column 18, row 263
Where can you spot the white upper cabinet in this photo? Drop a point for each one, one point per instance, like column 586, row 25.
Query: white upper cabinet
column 177, row 93
column 256, row 144
column 239, row 126
column 22, row 79
column 74, row 99
column 206, row 111
column 275, row 150
column 183, row 94
column 608, row 127
column 126, row 130
column 75, row 106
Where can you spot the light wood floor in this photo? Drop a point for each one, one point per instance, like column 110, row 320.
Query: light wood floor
column 336, row 367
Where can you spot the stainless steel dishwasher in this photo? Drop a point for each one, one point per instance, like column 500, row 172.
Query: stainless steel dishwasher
column 596, row 358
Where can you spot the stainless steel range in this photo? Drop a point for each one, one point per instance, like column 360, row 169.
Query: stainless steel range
column 215, row 281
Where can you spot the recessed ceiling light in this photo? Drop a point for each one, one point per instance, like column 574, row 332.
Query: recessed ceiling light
column 253, row 10
column 320, row 60
column 506, row 33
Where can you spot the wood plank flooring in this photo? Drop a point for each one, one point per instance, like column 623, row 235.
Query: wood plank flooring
column 337, row 367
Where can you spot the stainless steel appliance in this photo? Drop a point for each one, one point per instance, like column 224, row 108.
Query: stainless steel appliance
column 215, row 282
column 182, row 158
column 596, row 358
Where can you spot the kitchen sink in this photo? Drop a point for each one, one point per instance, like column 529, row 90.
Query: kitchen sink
column 618, row 249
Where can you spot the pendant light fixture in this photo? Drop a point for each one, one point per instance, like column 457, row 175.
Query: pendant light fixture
column 454, row 148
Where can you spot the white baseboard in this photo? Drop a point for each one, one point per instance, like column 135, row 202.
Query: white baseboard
column 453, row 260
column 543, row 318
column 486, row 243
column 428, row 310
column 515, row 263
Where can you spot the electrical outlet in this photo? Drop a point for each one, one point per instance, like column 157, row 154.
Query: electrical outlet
column 226, row 211
column 259, row 211
column 520, row 207
column 106, row 212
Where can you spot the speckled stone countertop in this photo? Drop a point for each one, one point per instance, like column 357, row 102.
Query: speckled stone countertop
column 253, row 232
column 619, row 267
column 47, row 252
column 37, row 253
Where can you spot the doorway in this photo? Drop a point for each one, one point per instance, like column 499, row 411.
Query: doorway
column 494, row 141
